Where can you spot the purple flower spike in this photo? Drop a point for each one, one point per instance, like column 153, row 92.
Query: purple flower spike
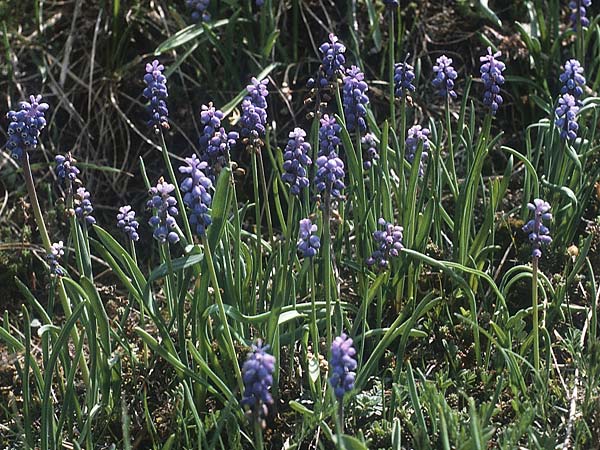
column 491, row 75
column 572, row 79
column 415, row 135
column 342, row 365
column 25, row 126
column 329, row 135
column 538, row 233
column 83, row 206
column 308, row 242
column 332, row 63
column 355, row 99
column 197, row 193
column 165, row 210
column 295, row 161
column 156, row 92
column 566, row 117
column 391, row 4
column 444, row 77
column 404, row 75
column 215, row 142
column 56, row 253
column 254, row 110
column 257, row 374
column 388, row 243
column 126, row 221
column 369, row 147
column 579, row 13
column 66, row 171
column 330, row 175
column 333, row 57
column 199, row 9
column 330, row 168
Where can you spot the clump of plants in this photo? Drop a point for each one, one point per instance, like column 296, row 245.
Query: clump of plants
column 364, row 281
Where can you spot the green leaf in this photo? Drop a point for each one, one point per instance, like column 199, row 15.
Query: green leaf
column 300, row 408
column 219, row 207
column 188, row 34
column 349, row 443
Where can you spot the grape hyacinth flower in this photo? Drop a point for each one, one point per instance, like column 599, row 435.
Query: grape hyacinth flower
column 415, row 135
column 126, row 221
column 254, row 110
column 156, row 92
column 196, row 188
column 257, row 374
column 25, row 126
column 404, row 75
column 308, row 242
column 539, row 234
column 390, row 4
column 572, row 79
column 211, row 118
column 354, row 98
column 165, row 210
column 199, row 9
column 330, row 175
column 329, row 135
column 333, row 57
column 566, row 117
column 491, row 75
column 295, row 161
column 215, row 142
column 56, row 252
column 579, row 12
column 370, row 153
column 444, row 77
column 66, row 171
column 388, row 243
column 83, row 206
column 342, row 365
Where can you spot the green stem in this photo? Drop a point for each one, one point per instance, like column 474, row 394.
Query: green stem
column 327, row 264
column 263, row 183
column 222, row 315
column 453, row 181
column 39, row 218
column 391, row 63
column 258, row 432
column 534, row 313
